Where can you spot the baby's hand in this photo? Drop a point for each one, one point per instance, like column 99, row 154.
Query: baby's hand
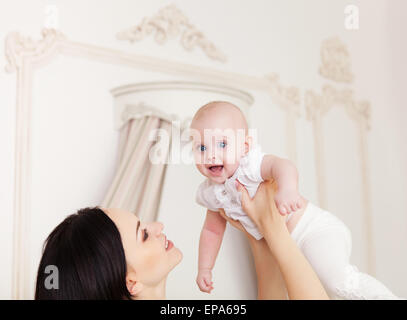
column 204, row 280
column 288, row 201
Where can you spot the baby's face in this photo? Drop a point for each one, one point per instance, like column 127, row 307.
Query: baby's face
column 217, row 148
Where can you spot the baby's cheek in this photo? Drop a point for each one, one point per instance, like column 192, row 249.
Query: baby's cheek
column 231, row 169
column 200, row 168
column 198, row 158
column 230, row 157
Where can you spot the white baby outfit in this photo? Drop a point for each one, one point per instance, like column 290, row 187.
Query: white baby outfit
column 326, row 242
column 323, row 239
column 214, row 196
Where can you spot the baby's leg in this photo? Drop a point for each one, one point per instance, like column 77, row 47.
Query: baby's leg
column 328, row 251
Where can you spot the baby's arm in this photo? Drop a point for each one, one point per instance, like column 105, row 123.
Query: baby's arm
column 285, row 173
column 209, row 244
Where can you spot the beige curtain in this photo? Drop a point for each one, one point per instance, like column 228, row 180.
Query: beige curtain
column 137, row 183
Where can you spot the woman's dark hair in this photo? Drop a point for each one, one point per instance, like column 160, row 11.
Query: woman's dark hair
column 87, row 252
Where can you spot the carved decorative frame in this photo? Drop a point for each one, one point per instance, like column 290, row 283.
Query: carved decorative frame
column 335, row 61
column 25, row 55
column 170, row 22
column 318, row 105
column 336, row 67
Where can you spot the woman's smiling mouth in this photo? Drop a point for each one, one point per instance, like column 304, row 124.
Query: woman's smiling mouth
column 168, row 245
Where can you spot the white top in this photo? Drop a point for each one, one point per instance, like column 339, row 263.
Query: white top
column 215, row 196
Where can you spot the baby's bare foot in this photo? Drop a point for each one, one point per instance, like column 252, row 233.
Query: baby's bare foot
column 288, row 201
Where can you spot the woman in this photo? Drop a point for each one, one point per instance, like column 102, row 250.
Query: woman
column 111, row 254
column 107, row 254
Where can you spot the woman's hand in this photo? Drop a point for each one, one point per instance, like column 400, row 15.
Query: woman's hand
column 262, row 208
column 236, row 224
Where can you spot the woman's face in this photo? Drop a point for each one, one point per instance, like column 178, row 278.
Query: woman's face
column 149, row 256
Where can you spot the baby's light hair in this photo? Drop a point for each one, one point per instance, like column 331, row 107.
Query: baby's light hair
column 213, row 105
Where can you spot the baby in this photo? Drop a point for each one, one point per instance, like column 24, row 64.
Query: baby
column 224, row 152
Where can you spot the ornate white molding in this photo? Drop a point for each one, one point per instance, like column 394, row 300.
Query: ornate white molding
column 19, row 47
column 288, row 98
column 23, row 54
column 317, row 106
column 141, row 110
column 241, row 98
column 168, row 23
column 245, row 98
column 335, row 61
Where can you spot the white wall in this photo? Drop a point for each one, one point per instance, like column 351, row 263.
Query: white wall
column 71, row 99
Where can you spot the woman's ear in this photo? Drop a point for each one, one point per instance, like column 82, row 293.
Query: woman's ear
column 133, row 286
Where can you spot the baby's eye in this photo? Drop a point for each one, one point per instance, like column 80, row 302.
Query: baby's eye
column 201, row 148
column 145, row 235
column 222, row 144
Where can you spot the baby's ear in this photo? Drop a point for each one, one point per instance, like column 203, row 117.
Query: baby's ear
column 248, row 144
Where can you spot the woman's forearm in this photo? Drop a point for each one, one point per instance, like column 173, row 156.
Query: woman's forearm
column 301, row 281
column 270, row 283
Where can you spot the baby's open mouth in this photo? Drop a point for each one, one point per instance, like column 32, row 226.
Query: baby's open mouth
column 216, row 170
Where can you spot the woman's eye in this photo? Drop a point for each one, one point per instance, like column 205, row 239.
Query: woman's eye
column 201, row 148
column 222, row 144
column 145, row 235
